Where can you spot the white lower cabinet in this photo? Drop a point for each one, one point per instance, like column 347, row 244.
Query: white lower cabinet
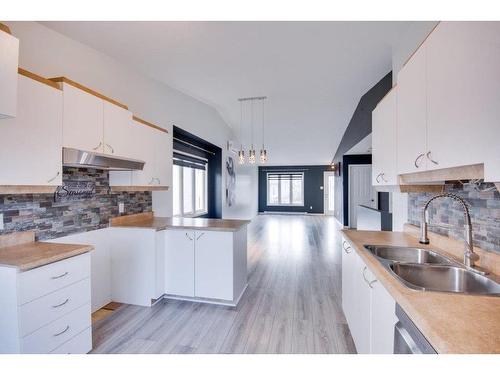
column 179, row 262
column 368, row 307
column 47, row 307
column 206, row 264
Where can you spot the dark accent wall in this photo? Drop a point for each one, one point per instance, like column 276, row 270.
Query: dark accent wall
column 313, row 194
column 484, row 204
column 348, row 160
column 358, row 128
column 214, row 167
column 360, row 124
column 51, row 219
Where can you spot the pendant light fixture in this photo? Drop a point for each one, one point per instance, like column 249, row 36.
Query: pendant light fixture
column 251, row 152
column 263, row 151
column 241, row 153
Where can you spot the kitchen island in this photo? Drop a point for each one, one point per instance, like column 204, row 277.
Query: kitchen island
column 195, row 259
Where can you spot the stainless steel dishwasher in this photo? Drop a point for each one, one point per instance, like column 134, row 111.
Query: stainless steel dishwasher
column 407, row 338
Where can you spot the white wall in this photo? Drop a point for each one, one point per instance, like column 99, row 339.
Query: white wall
column 50, row 54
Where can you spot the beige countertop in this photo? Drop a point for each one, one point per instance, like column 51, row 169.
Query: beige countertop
column 149, row 221
column 452, row 323
column 26, row 254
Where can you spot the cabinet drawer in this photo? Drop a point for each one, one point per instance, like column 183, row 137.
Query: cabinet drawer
column 46, row 309
column 44, row 280
column 58, row 332
column 80, row 344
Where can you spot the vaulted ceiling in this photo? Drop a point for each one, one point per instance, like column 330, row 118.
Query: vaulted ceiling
column 313, row 73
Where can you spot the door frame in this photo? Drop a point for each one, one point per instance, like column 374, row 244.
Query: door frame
column 375, row 195
column 326, row 194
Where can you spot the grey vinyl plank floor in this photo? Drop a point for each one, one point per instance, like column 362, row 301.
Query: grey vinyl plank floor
column 292, row 304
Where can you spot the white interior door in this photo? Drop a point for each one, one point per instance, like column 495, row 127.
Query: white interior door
column 329, row 193
column 361, row 191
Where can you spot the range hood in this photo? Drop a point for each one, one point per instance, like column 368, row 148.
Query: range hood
column 85, row 159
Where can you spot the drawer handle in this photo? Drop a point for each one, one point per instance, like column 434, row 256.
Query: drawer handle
column 63, row 331
column 61, row 304
column 58, row 277
column 346, row 248
column 370, row 283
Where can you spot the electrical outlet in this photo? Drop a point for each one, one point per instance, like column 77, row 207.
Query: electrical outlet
column 121, row 208
column 1, row 221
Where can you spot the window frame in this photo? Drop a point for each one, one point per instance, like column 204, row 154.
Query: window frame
column 180, row 193
column 279, row 204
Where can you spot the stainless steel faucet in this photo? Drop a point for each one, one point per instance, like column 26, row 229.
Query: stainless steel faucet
column 469, row 256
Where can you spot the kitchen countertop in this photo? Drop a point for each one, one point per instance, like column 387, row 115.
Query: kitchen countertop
column 148, row 221
column 28, row 255
column 452, row 323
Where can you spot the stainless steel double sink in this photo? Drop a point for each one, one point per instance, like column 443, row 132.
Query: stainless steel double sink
column 422, row 269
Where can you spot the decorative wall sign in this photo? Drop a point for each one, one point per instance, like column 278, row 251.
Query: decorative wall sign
column 75, row 190
column 230, row 181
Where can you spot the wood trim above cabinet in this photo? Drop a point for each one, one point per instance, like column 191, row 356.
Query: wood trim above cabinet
column 5, row 28
column 144, row 122
column 68, row 81
column 467, row 172
column 36, row 77
column 27, row 189
column 139, row 188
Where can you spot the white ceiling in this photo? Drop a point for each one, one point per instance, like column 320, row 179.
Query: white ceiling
column 313, row 73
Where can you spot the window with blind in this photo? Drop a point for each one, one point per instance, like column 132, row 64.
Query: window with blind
column 285, row 189
column 189, row 188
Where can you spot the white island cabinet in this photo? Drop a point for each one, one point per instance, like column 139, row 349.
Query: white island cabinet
column 207, row 264
column 191, row 259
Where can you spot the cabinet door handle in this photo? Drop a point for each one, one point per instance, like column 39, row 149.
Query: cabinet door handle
column 376, row 178
column 98, row 146
column 201, row 235
column 187, row 235
column 382, row 177
column 58, row 277
column 61, row 304
column 429, row 157
column 63, row 331
column 417, row 159
column 157, row 179
column 111, row 148
column 53, row 178
column 370, row 283
column 346, row 248
column 151, row 182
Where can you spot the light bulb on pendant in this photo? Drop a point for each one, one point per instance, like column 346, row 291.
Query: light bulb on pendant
column 251, row 156
column 263, row 155
column 241, row 156
column 263, row 151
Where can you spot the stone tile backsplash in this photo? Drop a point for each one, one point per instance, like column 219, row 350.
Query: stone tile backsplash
column 484, row 202
column 51, row 218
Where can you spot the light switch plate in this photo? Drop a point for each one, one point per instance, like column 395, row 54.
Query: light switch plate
column 1, row 221
column 121, row 208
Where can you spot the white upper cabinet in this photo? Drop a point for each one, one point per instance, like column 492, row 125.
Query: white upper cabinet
column 152, row 146
column 463, row 96
column 384, row 143
column 163, row 158
column 83, row 124
column 118, row 133
column 412, row 115
column 9, row 57
column 35, row 134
